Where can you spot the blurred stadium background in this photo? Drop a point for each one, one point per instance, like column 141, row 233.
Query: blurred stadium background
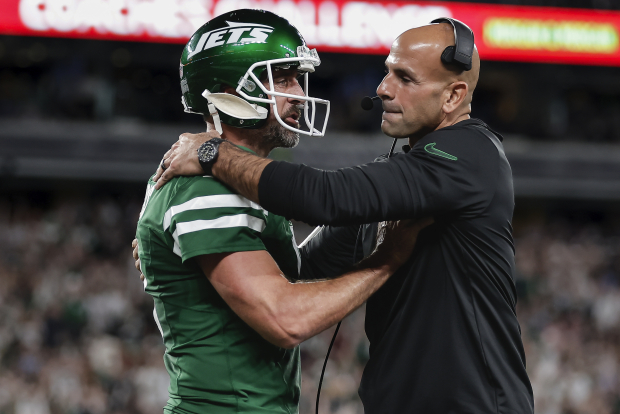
column 88, row 105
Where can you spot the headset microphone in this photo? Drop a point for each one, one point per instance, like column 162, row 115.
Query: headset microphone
column 367, row 103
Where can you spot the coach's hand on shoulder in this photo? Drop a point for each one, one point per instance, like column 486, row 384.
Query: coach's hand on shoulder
column 182, row 157
column 136, row 257
column 396, row 241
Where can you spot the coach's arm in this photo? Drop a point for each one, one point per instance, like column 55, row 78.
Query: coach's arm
column 457, row 178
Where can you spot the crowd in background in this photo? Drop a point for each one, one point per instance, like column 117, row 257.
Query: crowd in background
column 77, row 333
column 569, row 309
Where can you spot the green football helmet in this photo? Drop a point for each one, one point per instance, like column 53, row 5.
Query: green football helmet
column 238, row 49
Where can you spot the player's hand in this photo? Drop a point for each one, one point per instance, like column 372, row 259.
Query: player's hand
column 136, row 257
column 182, row 157
column 397, row 239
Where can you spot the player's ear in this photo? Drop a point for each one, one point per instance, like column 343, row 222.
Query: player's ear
column 456, row 93
column 229, row 89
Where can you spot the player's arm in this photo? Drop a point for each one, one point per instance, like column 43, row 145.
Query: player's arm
column 324, row 256
column 287, row 314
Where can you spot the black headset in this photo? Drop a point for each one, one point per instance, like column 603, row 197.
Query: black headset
column 461, row 53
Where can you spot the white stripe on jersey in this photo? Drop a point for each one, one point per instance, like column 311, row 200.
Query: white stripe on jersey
column 149, row 192
column 296, row 249
column 312, row 235
column 157, row 321
column 212, row 201
column 176, row 249
column 224, row 222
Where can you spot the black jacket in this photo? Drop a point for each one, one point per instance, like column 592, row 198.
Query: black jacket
column 443, row 331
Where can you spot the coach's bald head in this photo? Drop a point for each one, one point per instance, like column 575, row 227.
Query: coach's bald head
column 419, row 92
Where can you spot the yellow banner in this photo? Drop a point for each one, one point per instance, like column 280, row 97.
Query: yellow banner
column 552, row 35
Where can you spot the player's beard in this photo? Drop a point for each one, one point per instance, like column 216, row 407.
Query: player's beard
column 279, row 137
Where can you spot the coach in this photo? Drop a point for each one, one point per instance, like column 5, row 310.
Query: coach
column 444, row 336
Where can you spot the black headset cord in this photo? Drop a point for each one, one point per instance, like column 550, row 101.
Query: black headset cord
column 393, row 146
column 329, row 350
column 331, row 344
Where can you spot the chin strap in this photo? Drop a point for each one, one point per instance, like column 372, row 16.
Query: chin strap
column 214, row 114
column 216, row 118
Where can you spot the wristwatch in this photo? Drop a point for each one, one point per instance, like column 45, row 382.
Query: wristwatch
column 207, row 154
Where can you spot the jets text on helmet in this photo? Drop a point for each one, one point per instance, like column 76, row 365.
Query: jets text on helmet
column 258, row 33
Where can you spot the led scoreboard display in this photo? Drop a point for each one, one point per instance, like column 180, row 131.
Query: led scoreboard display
column 516, row 33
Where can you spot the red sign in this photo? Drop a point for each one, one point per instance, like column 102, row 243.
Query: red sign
column 533, row 34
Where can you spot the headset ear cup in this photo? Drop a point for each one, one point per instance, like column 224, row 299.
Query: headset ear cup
column 447, row 56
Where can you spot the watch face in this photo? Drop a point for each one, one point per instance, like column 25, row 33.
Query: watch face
column 207, row 152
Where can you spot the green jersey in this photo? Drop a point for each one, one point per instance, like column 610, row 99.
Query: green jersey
column 216, row 362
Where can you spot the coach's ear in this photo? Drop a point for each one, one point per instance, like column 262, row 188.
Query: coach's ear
column 454, row 96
